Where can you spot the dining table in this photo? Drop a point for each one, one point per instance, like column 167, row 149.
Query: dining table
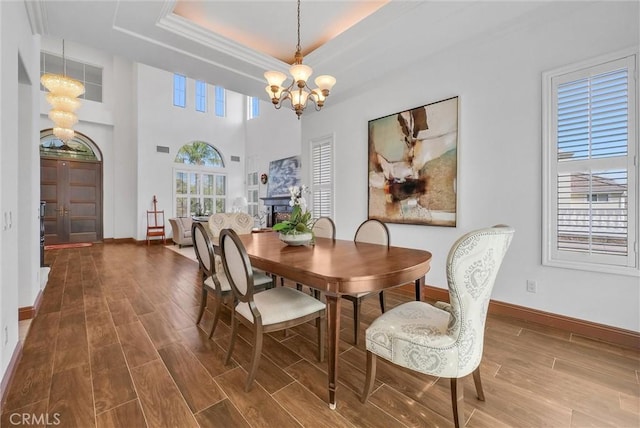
column 337, row 267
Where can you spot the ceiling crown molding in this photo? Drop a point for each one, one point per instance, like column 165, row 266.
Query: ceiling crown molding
column 187, row 29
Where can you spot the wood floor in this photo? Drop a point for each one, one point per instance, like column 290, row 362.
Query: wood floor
column 115, row 345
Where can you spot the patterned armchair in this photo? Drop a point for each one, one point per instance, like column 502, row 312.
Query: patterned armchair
column 241, row 223
column 445, row 340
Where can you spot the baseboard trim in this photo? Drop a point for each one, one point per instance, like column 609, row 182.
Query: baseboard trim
column 29, row 312
column 589, row 329
column 119, row 241
column 9, row 373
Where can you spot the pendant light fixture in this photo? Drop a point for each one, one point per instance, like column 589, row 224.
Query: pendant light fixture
column 298, row 92
column 63, row 97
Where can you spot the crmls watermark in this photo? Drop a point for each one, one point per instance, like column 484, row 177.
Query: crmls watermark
column 34, row 419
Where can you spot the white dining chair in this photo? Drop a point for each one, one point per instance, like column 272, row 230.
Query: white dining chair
column 213, row 277
column 445, row 339
column 271, row 310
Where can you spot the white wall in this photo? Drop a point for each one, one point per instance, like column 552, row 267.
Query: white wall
column 274, row 135
column 18, row 109
column 498, row 80
column 159, row 123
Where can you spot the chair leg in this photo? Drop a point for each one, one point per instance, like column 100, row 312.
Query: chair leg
column 320, row 325
column 478, row 382
column 381, row 295
column 298, row 286
column 356, row 320
column 255, row 358
column 203, row 304
column 282, row 281
column 216, row 316
column 457, row 400
column 370, row 377
column 234, row 332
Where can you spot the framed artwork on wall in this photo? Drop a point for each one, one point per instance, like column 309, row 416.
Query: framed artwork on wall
column 413, row 165
column 282, row 174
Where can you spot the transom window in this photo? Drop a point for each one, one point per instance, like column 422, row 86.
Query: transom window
column 179, row 90
column 89, row 75
column 201, row 96
column 221, row 102
column 199, row 153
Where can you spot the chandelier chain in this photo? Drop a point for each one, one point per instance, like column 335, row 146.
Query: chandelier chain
column 298, row 45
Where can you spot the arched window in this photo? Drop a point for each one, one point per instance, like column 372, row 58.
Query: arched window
column 199, row 153
column 80, row 147
column 200, row 188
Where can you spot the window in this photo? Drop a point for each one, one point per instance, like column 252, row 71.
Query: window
column 322, row 177
column 590, row 163
column 199, row 153
column 198, row 190
column 254, row 107
column 179, row 90
column 199, row 193
column 89, row 75
column 252, row 194
column 221, row 102
column 201, row 96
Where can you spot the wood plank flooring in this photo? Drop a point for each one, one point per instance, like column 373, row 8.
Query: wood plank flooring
column 115, row 345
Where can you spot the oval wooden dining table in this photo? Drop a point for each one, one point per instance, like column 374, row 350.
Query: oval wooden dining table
column 337, row 267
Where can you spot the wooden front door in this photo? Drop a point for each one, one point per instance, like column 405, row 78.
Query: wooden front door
column 72, row 191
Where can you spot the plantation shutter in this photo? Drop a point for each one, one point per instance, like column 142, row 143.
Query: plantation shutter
column 321, row 178
column 593, row 181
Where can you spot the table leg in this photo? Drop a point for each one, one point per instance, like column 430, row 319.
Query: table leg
column 333, row 323
column 419, row 285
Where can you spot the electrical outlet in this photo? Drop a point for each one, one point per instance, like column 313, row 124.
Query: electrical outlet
column 532, row 286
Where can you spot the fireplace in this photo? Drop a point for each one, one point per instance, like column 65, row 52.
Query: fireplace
column 278, row 209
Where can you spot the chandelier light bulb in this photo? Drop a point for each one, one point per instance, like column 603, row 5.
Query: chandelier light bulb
column 325, row 83
column 300, row 73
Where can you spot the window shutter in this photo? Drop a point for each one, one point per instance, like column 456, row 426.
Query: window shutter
column 321, row 178
column 592, row 194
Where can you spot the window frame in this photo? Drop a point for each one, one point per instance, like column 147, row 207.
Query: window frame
column 201, row 96
column 551, row 255
column 220, row 101
column 199, row 195
column 179, row 94
column 314, row 187
column 253, row 107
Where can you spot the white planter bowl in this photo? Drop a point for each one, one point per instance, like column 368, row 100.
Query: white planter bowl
column 298, row 239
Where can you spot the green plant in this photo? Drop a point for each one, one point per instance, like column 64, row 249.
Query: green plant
column 300, row 220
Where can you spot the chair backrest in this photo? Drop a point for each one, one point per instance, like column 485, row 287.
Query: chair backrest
column 241, row 223
column 324, row 227
column 472, row 267
column 203, row 248
column 372, row 231
column 237, row 265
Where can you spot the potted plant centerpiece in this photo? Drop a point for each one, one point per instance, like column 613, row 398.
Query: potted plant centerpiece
column 296, row 230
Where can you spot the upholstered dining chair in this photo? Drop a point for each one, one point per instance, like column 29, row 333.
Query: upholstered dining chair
column 446, row 339
column 324, row 227
column 270, row 310
column 212, row 274
column 373, row 232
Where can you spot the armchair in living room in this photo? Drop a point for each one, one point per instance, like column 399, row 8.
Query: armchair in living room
column 181, row 230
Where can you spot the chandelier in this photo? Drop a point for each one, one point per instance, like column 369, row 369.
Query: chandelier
column 63, row 97
column 298, row 92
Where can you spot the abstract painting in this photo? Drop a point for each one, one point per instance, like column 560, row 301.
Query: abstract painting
column 282, row 174
column 413, row 165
